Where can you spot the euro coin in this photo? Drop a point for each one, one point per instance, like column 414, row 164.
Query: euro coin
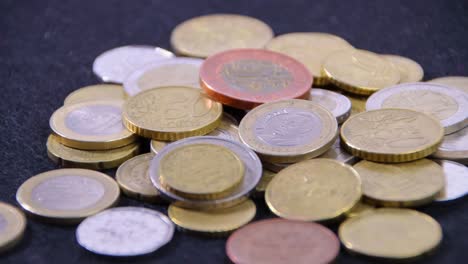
column 410, row 71
column 454, row 147
column 12, row 226
column 96, row 93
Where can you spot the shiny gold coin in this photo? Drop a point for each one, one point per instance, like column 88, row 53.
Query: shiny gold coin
column 89, row 159
column 401, row 184
column 358, row 103
column 396, row 234
column 359, row 71
column 96, row 93
column 309, row 48
column 134, row 181
column 410, row 71
column 391, row 135
column 171, row 113
column 215, row 221
column 12, row 226
column 314, row 190
column 206, row 35
column 267, row 176
column 360, row 208
column 201, row 171
column 459, row 82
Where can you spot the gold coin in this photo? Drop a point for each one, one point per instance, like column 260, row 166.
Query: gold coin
column 213, row 221
column 206, row 35
column 309, row 48
column 134, row 181
column 96, row 93
column 267, row 176
column 391, row 135
column 358, row 103
column 89, row 159
column 389, row 233
column 67, row 195
column 171, row 113
column 410, row 71
column 289, row 130
column 314, row 190
column 360, row 208
column 359, row 71
column 459, row 82
column 201, row 171
column 92, row 125
column 12, row 226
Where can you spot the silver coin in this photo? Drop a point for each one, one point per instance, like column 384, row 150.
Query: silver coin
column 253, row 173
column 125, row 231
column 170, row 72
column 454, row 147
column 456, row 181
column 338, row 104
column 448, row 105
column 117, row 64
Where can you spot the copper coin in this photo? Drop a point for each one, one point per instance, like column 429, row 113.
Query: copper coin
column 282, row 241
column 245, row 78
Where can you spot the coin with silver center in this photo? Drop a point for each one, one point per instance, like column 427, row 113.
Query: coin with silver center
column 339, row 105
column 456, row 181
column 116, row 64
column 125, row 231
column 454, row 147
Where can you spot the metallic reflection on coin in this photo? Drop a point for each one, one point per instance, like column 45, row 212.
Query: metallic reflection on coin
column 125, row 231
column 338, row 104
column 456, row 181
column 96, row 93
column 12, row 226
column 410, row 71
column 454, row 147
column 459, row 82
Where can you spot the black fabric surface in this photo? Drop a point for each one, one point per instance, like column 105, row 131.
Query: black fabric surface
column 47, row 48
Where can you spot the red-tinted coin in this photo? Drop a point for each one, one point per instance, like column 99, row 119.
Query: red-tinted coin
column 245, row 78
column 277, row 241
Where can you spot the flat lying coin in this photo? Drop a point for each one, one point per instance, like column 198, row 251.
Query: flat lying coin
column 95, row 125
column 125, row 231
column 12, row 226
column 96, row 93
column 454, row 147
column 410, row 71
column 170, row 72
column 446, row 104
column 360, row 208
column 391, row 135
column 459, row 82
column 289, row 130
column 401, row 184
column 314, row 190
column 279, row 241
column 456, row 181
column 206, row 35
column 67, row 195
column 396, row 234
column 338, row 104
column 267, row 176
column 116, row 64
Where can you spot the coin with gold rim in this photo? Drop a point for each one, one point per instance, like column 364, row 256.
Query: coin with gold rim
column 459, row 82
column 96, row 93
column 410, row 71
column 12, row 226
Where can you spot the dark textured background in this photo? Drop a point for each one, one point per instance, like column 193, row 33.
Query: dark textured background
column 47, row 48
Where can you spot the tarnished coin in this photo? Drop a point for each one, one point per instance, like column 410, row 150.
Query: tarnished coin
column 116, row 64
column 410, row 71
column 134, row 181
column 89, row 159
column 405, row 184
column 125, row 231
column 314, row 190
column 253, row 172
column 359, row 208
column 206, row 35
column 94, row 125
column 338, row 104
column 388, row 233
column 391, row 135
column 446, row 104
column 267, row 176
column 289, row 130
column 67, row 195
column 171, row 113
column 215, row 221
column 245, row 78
column 459, row 82
column 279, row 241
column 310, row 48
column 170, row 72
column 96, row 93
column 456, row 181
column 359, row 71
column 12, row 226
column 454, row 147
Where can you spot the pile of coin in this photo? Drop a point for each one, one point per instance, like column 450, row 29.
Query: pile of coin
column 330, row 154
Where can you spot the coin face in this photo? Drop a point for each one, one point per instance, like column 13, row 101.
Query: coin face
column 67, row 195
column 12, row 226
column 338, row 104
column 282, row 241
column 116, row 64
column 170, row 72
column 446, row 104
column 459, row 82
column 96, row 93
column 314, row 190
column 245, row 78
column 289, row 130
column 206, row 35
column 171, row 113
column 359, row 71
column 401, row 184
column 125, row 231
column 391, row 135
column 456, row 181
column 454, row 147
column 395, row 234
column 410, row 71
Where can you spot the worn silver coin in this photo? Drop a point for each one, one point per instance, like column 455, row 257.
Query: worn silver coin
column 338, row 104
column 456, row 181
column 454, row 147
